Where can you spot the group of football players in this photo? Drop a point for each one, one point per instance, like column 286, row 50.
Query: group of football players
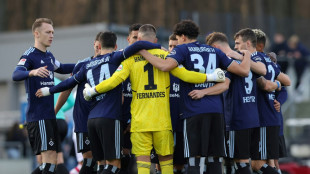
column 216, row 106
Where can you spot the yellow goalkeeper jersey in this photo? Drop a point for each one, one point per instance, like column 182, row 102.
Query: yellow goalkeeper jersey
column 150, row 109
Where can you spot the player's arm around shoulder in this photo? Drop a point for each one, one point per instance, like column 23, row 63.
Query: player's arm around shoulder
column 161, row 64
column 258, row 68
column 284, row 79
column 268, row 85
column 243, row 68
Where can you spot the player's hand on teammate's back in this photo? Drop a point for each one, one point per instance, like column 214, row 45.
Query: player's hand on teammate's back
column 89, row 92
column 218, row 75
column 42, row 92
column 40, row 72
column 277, row 105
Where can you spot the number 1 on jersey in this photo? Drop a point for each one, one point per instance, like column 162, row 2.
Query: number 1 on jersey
column 150, row 72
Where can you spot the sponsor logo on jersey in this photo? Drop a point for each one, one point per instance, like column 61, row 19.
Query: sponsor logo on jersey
column 127, row 94
column 47, row 83
column 174, row 95
column 22, row 62
column 120, row 68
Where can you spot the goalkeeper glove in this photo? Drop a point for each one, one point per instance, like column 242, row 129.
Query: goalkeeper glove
column 217, row 76
column 89, row 92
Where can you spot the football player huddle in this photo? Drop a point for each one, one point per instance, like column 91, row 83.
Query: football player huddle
column 191, row 108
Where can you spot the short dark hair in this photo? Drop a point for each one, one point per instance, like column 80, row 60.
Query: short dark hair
column 187, row 28
column 39, row 21
column 107, row 39
column 148, row 29
column 247, row 34
column 215, row 37
column 98, row 36
column 134, row 27
column 260, row 36
column 173, row 37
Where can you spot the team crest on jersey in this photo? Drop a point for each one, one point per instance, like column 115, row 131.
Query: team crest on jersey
column 175, row 87
column 119, row 68
column 129, row 87
column 51, row 74
column 22, row 62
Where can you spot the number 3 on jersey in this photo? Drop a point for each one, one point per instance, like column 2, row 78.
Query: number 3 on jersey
column 248, row 80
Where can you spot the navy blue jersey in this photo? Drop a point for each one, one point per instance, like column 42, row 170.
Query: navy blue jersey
column 281, row 96
column 268, row 116
column 241, row 102
column 33, row 58
column 81, row 107
column 126, row 85
column 205, row 59
column 108, row 105
column 175, row 104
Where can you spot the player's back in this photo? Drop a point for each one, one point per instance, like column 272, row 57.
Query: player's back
column 107, row 105
column 241, row 102
column 150, row 95
column 268, row 114
column 204, row 59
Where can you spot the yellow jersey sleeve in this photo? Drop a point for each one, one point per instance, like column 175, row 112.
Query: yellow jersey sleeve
column 188, row 76
column 120, row 75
